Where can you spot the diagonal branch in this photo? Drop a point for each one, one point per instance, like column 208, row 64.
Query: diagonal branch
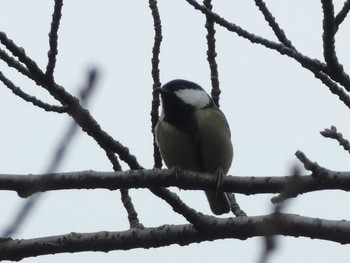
column 191, row 215
column 13, row 63
column 80, row 115
column 279, row 33
column 20, row 54
column 281, row 48
column 339, row 18
column 332, row 85
column 56, row 161
column 36, row 73
column 20, row 93
column 319, row 69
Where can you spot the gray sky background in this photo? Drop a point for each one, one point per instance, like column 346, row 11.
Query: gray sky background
column 274, row 108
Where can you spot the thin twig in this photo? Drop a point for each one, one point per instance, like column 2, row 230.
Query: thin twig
column 311, row 64
column 125, row 197
column 279, row 33
column 332, row 86
column 211, row 56
column 281, row 48
column 308, row 164
column 320, row 173
column 36, row 74
column 36, row 102
column 155, row 75
column 235, row 208
column 114, row 160
column 171, row 198
column 13, row 63
column 134, row 221
column 329, row 34
column 334, row 134
column 191, row 215
column 78, row 113
column 339, row 18
column 53, row 39
column 329, row 52
column 21, row 55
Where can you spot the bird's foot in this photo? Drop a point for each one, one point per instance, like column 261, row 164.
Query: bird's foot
column 219, row 179
column 177, row 172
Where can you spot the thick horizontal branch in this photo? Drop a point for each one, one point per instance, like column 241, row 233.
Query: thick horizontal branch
column 238, row 228
column 25, row 185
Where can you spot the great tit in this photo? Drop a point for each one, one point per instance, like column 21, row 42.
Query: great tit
column 193, row 134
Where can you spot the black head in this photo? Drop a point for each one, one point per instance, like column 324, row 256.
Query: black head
column 180, row 98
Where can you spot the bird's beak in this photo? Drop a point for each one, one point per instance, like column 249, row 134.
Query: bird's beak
column 160, row 90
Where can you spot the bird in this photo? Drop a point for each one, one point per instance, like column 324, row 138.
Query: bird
column 193, row 134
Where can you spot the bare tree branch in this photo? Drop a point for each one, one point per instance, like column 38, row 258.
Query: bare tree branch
column 155, row 75
column 36, row 102
column 13, row 63
column 20, row 54
column 281, row 48
column 125, row 197
column 36, row 73
column 79, row 114
column 235, row 208
column 318, row 171
column 332, row 86
column 211, row 56
column 339, row 18
column 171, row 198
column 270, row 19
column 319, row 69
column 56, row 160
column 53, row 39
column 217, row 228
column 334, row 134
column 330, row 56
column 201, row 227
column 26, row 185
column 191, row 215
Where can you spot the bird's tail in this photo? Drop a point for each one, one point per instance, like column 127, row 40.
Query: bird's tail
column 218, row 202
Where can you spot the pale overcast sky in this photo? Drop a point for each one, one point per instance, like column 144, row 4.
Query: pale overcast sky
column 274, row 108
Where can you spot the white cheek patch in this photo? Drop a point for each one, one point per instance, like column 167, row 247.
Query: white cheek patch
column 193, row 97
column 161, row 118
